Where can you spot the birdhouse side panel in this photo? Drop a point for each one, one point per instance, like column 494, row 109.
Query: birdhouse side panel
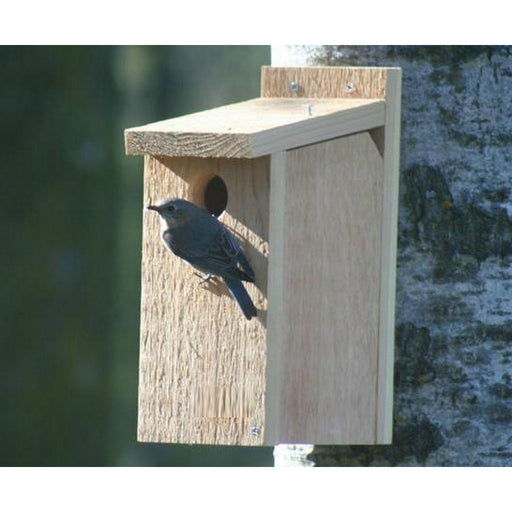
column 324, row 318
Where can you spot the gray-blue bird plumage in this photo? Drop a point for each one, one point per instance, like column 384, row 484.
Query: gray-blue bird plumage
column 195, row 235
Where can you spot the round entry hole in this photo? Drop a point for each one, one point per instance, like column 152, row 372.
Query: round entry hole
column 215, row 195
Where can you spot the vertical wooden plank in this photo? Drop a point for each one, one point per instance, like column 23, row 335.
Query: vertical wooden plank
column 329, row 201
column 388, row 267
column 202, row 364
column 276, row 314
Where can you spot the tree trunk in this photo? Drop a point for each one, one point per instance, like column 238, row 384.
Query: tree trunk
column 453, row 381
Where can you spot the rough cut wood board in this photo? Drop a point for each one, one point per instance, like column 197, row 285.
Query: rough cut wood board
column 325, row 82
column 256, row 127
column 202, row 364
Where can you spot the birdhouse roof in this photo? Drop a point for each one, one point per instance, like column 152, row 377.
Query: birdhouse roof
column 256, row 127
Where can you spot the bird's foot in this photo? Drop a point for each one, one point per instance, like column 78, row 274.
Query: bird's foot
column 204, row 278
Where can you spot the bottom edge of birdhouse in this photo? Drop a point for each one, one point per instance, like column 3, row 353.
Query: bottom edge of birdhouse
column 249, row 436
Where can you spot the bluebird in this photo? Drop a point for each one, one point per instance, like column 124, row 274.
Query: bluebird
column 196, row 236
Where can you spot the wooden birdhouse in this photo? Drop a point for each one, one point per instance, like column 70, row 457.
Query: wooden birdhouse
column 306, row 177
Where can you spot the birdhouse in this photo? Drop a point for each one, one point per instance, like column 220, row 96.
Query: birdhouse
column 306, row 178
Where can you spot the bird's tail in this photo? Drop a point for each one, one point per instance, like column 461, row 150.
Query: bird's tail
column 241, row 296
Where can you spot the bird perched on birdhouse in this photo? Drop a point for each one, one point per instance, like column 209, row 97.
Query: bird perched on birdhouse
column 195, row 235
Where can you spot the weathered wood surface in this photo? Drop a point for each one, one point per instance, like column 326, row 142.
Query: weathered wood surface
column 256, row 127
column 202, row 364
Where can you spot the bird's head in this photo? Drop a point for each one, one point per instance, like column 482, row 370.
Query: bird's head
column 174, row 212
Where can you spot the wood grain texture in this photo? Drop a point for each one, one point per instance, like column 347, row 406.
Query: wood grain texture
column 256, row 127
column 325, row 261
column 324, row 82
column 202, row 364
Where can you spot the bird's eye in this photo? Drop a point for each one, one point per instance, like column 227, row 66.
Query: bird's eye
column 171, row 208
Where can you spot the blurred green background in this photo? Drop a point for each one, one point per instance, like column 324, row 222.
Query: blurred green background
column 70, row 222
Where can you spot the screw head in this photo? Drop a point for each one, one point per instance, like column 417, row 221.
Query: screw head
column 255, row 431
column 294, row 87
column 350, row 87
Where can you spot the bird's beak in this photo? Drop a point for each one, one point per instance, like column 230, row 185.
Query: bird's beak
column 152, row 207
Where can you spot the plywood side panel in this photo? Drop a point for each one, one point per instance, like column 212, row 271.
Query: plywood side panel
column 324, row 320
column 202, row 364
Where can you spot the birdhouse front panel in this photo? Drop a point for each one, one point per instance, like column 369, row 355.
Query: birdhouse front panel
column 202, row 363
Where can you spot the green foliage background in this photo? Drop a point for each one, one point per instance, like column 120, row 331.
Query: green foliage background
column 70, row 225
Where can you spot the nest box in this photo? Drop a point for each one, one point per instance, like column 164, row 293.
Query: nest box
column 306, row 177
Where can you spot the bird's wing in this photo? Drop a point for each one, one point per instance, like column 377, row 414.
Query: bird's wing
column 245, row 266
column 239, row 265
column 222, row 252
column 224, row 256
column 216, row 253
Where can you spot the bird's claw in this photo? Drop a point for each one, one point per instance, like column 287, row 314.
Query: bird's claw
column 204, row 278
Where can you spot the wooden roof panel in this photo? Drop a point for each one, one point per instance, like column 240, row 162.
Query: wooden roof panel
column 255, row 127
